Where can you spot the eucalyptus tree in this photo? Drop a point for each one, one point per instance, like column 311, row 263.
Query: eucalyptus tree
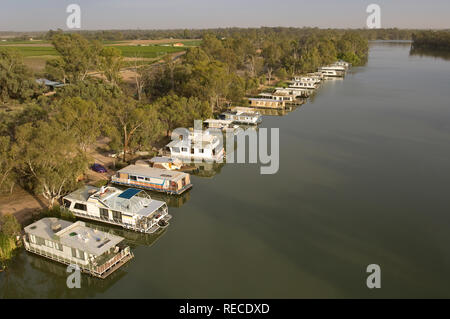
column 16, row 80
column 50, row 160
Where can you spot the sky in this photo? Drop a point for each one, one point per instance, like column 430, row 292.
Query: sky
column 42, row 15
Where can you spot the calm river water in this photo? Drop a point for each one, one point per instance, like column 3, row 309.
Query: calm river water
column 363, row 179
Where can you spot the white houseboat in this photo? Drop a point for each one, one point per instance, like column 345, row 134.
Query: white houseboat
column 296, row 92
column 94, row 252
column 198, row 145
column 327, row 72
column 223, row 125
column 308, row 85
column 288, row 98
column 310, row 78
column 132, row 209
column 341, row 63
column 152, row 178
column 242, row 116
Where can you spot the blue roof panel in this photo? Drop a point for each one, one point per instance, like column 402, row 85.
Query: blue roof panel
column 129, row 193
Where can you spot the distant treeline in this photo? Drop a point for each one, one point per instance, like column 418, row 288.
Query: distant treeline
column 120, row 35
column 435, row 40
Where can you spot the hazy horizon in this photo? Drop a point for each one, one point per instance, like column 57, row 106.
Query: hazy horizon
column 42, row 15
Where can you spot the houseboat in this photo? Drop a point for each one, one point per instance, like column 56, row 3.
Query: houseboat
column 95, row 252
column 223, row 125
column 308, row 85
column 152, row 178
column 240, row 115
column 198, row 145
column 131, row 209
column 296, row 92
column 327, row 72
column 310, row 78
column 288, row 98
column 267, row 102
column 341, row 63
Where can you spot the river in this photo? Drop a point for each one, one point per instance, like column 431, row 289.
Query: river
column 363, row 179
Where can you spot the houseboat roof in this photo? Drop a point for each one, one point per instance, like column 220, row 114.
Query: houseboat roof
column 153, row 172
column 242, row 113
column 164, row 159
column 74, row 235
column 214, row 121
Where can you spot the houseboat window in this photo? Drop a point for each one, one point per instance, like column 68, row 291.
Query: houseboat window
column 40, row 241
column 147, row 179
column 133, row 178
column 76, row 253
column 117, row 216
column 201, row 150
column 58, row 246
column 175, row 149
column 184, row 149
column 32, row 238
column 67, row 203
column 192, row 151
column 80, row 206
column 104, row 213
column 48, row 243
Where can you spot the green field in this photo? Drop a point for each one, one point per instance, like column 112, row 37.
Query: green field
column 147, row 51
column 127, row 51
column 33, row 50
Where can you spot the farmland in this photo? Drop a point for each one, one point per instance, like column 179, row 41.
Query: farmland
column 37, row 52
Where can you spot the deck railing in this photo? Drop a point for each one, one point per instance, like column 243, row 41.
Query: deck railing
column 101, row 271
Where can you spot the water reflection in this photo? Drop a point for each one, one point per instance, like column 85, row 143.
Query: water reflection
column 442, row 54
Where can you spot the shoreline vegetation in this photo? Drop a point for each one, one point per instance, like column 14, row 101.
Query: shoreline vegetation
column 431, row 40
column 10, row 229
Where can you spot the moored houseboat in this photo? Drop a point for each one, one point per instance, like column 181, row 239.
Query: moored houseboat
column 267, row 102
column 308, row 85
column 95, row 252
column 242, row 115
column 132, row 209
column 309, row 78
column 152, row 178
column 198, row 145
column 329, row 72
column 296, row 92
column 221, row 124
